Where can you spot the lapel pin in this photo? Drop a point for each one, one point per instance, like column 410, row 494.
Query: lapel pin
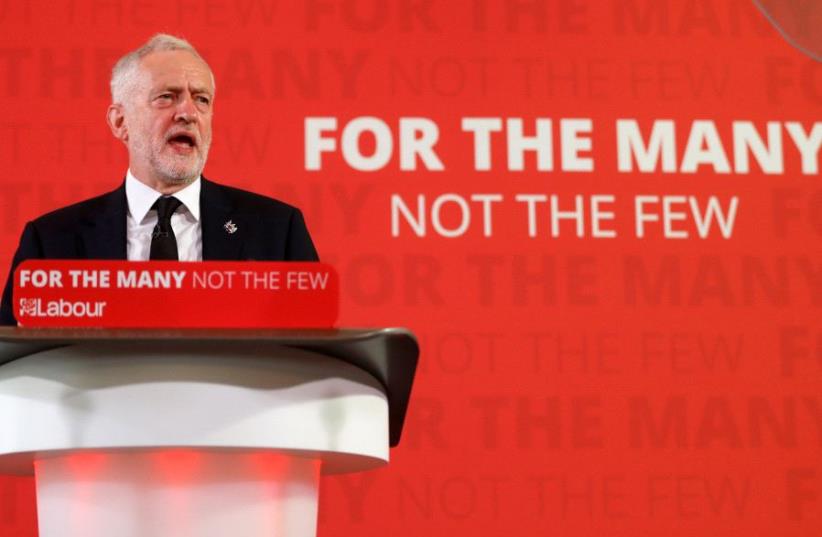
column 230, row 227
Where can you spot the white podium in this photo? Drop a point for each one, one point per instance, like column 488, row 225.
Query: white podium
column 196, row 433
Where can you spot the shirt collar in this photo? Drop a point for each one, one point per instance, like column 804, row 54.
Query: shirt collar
column 141, row 197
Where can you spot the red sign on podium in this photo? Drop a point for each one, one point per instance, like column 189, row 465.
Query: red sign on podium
column 170, row 294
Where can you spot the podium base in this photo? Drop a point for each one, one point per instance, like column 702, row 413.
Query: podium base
column 170, row 493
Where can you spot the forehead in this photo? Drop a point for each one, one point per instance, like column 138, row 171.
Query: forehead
column 178, row 68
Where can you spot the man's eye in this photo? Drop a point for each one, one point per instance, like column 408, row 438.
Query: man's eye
column 204, row 100
column 165, row 96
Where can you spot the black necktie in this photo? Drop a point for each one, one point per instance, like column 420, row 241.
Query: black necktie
column 163, row 242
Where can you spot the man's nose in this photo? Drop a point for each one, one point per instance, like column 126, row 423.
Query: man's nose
column 186, row 110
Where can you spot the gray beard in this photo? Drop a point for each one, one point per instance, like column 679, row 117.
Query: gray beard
column 176, row 173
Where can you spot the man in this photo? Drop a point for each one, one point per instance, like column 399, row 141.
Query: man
column 162, row 105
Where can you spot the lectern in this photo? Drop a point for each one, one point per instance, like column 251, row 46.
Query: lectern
column 196, row 433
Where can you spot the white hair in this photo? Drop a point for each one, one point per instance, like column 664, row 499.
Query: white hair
column 124, row 72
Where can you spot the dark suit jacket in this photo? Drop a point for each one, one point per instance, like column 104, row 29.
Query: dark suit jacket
column 267, row 230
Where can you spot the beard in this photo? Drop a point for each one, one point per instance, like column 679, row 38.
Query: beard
column 176, row 169
column 170, row 167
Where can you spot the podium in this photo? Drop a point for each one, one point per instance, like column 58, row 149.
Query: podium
column 202, row 433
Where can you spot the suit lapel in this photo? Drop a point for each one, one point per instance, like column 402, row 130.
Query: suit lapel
column 223, row 228
column 103, row 234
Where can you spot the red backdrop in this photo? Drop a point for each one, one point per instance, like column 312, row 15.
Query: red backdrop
column 569, row 385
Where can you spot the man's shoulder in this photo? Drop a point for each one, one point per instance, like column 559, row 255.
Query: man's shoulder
column 274, row 230
column 81, row 211
column 250, row 202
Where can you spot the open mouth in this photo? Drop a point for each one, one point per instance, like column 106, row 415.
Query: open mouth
column 183, row 142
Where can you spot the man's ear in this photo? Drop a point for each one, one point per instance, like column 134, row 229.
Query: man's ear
column 117, row 122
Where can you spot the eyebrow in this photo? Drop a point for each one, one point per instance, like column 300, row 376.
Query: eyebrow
column 180, row 89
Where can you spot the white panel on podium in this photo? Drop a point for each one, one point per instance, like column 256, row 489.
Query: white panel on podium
column 112, row 396
column 191, row 437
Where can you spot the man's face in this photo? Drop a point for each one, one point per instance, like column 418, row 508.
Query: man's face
column 167, row 119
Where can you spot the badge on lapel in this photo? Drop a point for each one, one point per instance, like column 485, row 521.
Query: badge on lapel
column 230, row 227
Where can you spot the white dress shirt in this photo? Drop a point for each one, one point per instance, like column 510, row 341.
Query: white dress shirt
column 142, row 218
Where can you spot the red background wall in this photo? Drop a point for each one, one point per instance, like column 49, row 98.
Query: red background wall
column 568, row 385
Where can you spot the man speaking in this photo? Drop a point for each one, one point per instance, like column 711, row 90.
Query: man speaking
column 162, row 105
